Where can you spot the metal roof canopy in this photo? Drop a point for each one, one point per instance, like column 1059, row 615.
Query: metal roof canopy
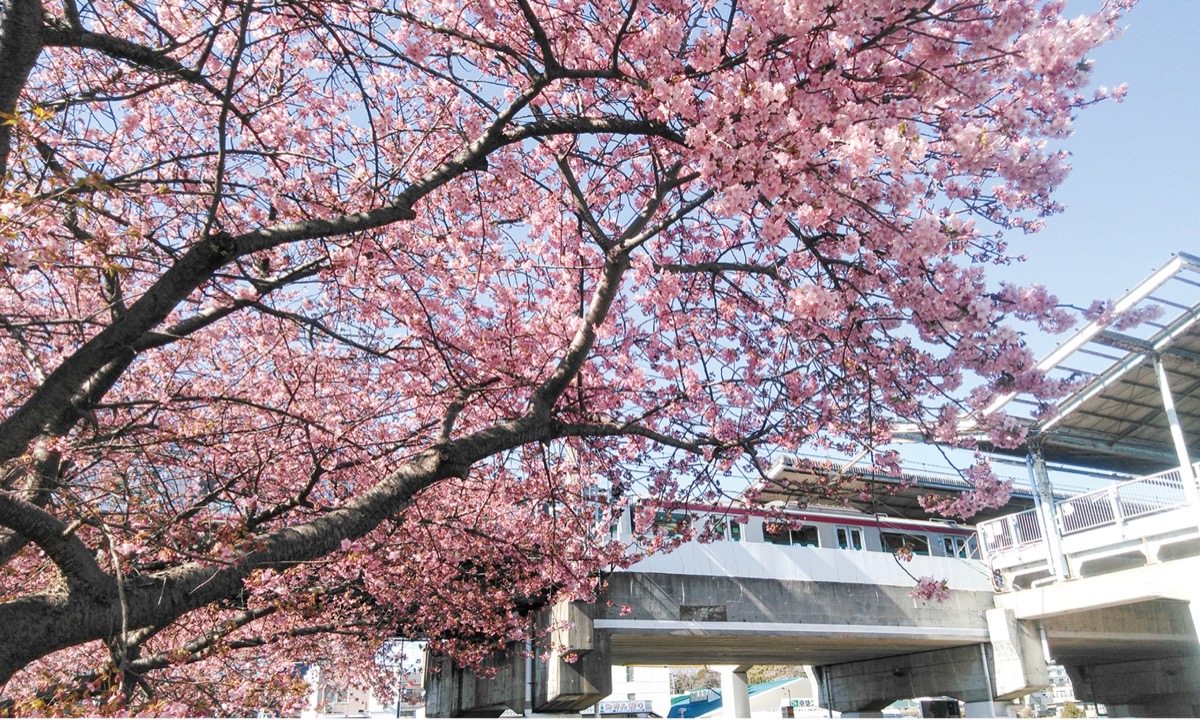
column 1118, row 420
column 1115, row 423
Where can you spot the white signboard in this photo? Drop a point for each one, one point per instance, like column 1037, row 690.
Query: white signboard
column 625, row 706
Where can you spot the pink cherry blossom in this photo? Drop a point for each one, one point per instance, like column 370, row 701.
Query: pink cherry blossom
column 341, row 321
column 930, row 589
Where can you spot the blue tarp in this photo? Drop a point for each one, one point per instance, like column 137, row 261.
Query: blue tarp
column 684, row 708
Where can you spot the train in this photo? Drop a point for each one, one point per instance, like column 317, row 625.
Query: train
column 815, row 526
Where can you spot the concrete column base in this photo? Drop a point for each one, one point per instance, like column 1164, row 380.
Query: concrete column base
column 1178, row 708
column 988, row 710
column 862, row 715
column 735, row 691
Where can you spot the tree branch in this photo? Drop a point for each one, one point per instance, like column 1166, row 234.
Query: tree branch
column 66, row 550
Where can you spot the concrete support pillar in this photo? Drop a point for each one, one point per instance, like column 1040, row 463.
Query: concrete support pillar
column 576, row 672
column 1185, row 461
column 1163, row 687
column 1043, row 496
column 862, row 715
column 870, row 686
column 988, row 710
column 1194, row 610
column 1018, row 662
column 735, row 691
column 451, row 691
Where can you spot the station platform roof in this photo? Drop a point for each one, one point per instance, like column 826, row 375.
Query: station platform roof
column 1116, row 418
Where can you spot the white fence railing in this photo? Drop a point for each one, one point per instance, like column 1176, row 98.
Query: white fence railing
column 1011, row 532
column 1113, row 505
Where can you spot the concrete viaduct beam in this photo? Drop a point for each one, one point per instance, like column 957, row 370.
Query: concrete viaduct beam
column 869, row 686
column 1009, row 666
column 574, row 673
column 1166, row 687
column 676, row 618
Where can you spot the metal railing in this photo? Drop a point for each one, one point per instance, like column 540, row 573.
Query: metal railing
column 1121, row 502
column 1113, row 505
column 1010, row 532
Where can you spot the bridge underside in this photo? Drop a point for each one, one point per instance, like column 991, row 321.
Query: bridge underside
column 1121, row 634
column 1128, row 615
column 1127, row 638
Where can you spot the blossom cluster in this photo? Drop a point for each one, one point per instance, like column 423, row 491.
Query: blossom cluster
column 324, row 322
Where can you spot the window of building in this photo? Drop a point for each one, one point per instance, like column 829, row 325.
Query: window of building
column 735, row 531
column 897, row 542
column 849, row 538
column 629, row 673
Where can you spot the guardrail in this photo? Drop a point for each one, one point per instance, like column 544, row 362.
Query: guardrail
column 1113, row 505
column 1010, row 532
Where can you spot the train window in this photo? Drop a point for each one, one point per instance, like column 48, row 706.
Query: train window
column 806, row 536
column 723, row 529
column 781, row 534
column 672, row 522
column 896, row 542
column 777, row 533
column 849, row 538
column 957, row 546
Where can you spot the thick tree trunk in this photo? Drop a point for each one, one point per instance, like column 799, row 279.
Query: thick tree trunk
column 20, row 44
column 39, row 625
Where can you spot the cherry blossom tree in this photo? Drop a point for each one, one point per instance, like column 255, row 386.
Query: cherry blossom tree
column 327, row 322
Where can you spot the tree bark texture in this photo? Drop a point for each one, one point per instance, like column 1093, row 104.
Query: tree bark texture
column 20, row 44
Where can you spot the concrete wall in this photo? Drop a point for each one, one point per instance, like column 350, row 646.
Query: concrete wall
column 871, row 685
column 451, row 691
column 1167, row 687
column 713, row 599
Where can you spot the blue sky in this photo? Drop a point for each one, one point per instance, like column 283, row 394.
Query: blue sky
column 1134, row 189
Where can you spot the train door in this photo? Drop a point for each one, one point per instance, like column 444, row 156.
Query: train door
column 957, row 546
column 849, row 537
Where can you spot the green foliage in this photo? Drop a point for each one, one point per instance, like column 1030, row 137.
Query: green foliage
column 762, row 673
column 1072, row 711
column 691, row 678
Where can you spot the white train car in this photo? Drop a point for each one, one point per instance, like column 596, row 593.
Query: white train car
column 811, row 527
